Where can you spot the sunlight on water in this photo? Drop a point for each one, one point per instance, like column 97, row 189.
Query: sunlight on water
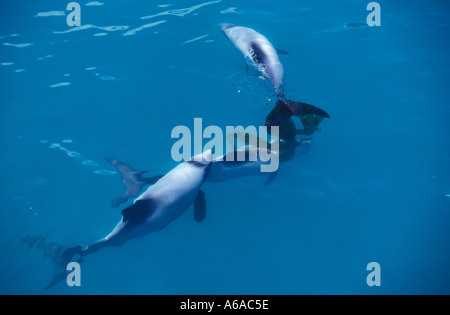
column 59, row 84
column 181, row 12
column 195, row 39
column 142, row 27
column 18, row 45
column 50, row 13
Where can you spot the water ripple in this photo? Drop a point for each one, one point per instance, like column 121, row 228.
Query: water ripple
column 140, row 28
column 93, row 3
column 18, row 45
column 78, row 156
column 229, row 10
column 11, row 35
column 91, row 26
column 195, row 39
column 50, row 13
column 181, row 12
column 59, row 84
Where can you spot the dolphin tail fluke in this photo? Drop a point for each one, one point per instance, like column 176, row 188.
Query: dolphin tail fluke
column 132, row 180
column 60, row 255
column 301, row 109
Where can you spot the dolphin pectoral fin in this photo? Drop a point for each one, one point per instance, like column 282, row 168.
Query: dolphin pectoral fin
column 200, row 207
column 281, row 52
column 271, row 178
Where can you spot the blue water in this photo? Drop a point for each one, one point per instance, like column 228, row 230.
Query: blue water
column 375, row 186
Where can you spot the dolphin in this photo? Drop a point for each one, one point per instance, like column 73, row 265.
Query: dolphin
column 232, row 165
column 153, row 210
column 261, row 55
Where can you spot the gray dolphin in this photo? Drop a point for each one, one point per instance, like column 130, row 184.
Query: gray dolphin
column 153, row 210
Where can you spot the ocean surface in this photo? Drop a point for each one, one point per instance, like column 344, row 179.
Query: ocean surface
column 374, row 186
